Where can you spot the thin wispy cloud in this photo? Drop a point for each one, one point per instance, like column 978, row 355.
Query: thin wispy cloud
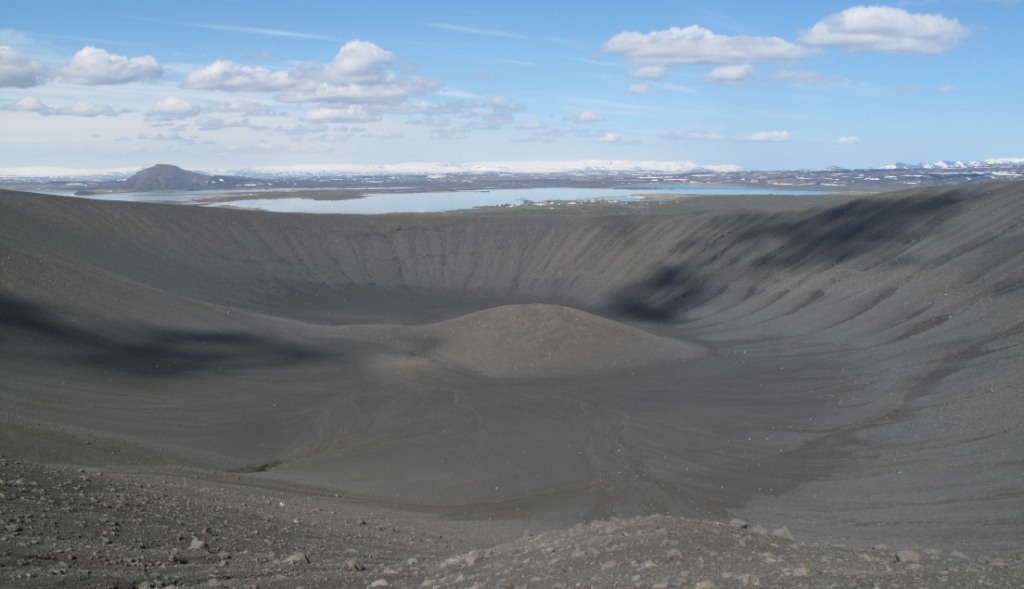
column 598, row 62
column 483, row 32
column 243, row 29
column 669, row 86
column 519, row 62
column 260, row 31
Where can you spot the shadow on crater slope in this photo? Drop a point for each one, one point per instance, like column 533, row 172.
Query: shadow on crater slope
column 849, row 366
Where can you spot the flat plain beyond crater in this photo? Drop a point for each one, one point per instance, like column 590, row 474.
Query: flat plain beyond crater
column 848, row 367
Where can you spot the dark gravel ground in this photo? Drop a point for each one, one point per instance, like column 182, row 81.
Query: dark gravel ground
column 70, row 527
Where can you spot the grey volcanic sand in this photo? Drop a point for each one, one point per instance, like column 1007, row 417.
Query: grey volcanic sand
column 849, row 367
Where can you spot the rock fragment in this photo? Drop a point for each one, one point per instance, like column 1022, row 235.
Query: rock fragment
column 908, row 556
column 783, row 533
column 352, row 565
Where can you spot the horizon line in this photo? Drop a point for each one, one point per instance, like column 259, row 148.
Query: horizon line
column 509, row 166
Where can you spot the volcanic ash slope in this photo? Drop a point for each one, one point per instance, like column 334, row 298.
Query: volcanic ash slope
column 856, row 372
column 540, row 340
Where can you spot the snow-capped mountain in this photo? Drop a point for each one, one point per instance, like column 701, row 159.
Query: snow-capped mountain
column 945, row 170
column 55, row 174
column 442, row 168
column 308, row 171
column 948, row 165
column 956, row 164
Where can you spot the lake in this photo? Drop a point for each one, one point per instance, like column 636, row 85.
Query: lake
column 437, row 202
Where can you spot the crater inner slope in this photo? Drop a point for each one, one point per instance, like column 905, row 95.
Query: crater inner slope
column 849, row 366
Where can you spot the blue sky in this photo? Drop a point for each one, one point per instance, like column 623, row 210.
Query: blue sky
column 229, row 84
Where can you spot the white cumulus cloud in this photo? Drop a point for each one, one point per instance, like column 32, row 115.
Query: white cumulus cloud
column 730, row 73
column 585, row 117
column 20, row 71
column 293, row 127
column 245, row 107
column 767, row 136
column 94, row 66
column 164, row 136
column 692, row 136
column 172, row 107
column 886, row 29
column 225, row 74
column 359, row 61
column 349, row 114
column 848, row 140
column 208, row 123
column 651, row 53
column 499, row 111
column 78, row 109
column 28, row 104
column 87, row 109
column 359, row 73
column 352, row 93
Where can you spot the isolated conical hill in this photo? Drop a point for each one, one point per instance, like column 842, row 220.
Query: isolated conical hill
column 167, row 177
column 547, row 340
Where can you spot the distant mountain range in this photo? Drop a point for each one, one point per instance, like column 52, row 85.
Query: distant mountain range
column 169, row 177
column 956, row 164
column 530, row 167
column 163, row 175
